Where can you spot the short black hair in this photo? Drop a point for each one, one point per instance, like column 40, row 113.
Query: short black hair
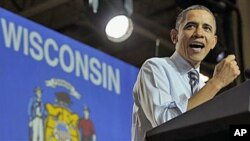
column 183, row 14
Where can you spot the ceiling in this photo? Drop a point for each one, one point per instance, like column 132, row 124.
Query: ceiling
column 152, row 21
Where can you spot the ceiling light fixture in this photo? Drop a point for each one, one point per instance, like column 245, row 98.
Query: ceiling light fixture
column 119, row 28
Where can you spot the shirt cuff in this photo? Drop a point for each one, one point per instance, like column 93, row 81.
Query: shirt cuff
column 181, row 106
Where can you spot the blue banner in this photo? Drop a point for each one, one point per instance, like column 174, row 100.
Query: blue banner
column 56, row 88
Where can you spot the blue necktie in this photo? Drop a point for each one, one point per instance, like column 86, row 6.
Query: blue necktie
column 193, row 80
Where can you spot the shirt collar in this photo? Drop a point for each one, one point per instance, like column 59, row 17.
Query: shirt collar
column 182, row 65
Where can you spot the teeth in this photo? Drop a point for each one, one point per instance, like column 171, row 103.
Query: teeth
column 197, row 45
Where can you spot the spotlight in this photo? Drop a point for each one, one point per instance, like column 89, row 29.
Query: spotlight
column 111, row 17
column 119, row 28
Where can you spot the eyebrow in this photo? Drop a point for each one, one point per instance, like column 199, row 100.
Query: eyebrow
column 190, row 23
column 195, row 23
column 208, row 25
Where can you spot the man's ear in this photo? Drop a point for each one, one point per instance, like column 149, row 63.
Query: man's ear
column 173, row 35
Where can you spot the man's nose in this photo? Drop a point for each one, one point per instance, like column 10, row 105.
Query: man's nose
column 199, row 33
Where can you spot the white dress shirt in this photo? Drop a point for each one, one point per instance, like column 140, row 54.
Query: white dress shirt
column 160, row 93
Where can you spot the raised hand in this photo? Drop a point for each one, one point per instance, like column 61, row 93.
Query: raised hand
column 226, row 71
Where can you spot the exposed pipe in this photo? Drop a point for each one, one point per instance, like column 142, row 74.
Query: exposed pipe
column 39, row 8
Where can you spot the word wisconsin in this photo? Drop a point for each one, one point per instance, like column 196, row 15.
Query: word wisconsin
column 56, row 54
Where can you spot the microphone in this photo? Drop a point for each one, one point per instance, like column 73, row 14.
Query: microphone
column 247, row 73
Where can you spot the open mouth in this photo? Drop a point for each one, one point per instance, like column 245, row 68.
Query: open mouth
column 196, row 45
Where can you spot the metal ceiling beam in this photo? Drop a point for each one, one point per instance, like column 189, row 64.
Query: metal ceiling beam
column 39, row 8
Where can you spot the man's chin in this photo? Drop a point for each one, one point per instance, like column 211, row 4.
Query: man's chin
column 195, row 60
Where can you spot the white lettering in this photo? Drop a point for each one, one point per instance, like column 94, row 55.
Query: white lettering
column 10, row 34
column 30, row 42
column 50, row 43
column 25, row 41
column 95, row 76
column 240, row 132
column 37, row 51
column 66, row 49
column 114, row 80
column 82, row 64
column 104, row 76
column 243, row 131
